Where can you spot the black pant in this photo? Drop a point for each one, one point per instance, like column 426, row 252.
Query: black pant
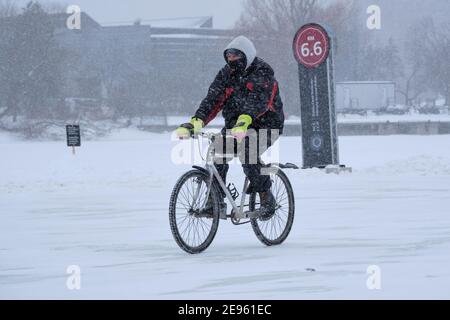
column 249, row 151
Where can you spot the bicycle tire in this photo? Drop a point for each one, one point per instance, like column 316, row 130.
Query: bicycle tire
column 258, row 225
column 174, row 225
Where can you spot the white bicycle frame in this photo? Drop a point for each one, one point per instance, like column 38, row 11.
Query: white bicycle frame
column 239, row 212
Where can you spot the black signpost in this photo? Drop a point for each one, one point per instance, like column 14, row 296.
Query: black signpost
column 313, row 51
column 73, row 136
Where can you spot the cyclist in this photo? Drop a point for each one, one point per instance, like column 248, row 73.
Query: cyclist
column 247, row 93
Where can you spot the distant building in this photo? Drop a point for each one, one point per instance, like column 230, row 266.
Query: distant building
column 364, row 95
column 186, row 23
column 159, row 65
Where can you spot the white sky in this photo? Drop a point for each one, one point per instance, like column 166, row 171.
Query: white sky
column 225, row 12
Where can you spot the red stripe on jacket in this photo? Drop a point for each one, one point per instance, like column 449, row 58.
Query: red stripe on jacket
column 272, row 97
column 219, row 105
column 271, row 101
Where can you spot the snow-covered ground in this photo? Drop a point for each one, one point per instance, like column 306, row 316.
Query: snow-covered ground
column 352, row 118
column 342, row 118
column 105, row 210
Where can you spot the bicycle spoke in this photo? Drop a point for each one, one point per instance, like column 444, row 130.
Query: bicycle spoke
column 183, row 232
column 193, row 230
column 197, row 230
column 182, row 193
column 284, row 212
column 274, row 228
column 277, row 185
column 202, row 224
column 280, row 223
column 186, row 203
column 202, row 196
column 282, row 199
column 184, row 219
column 199, row 196
column 266, row 224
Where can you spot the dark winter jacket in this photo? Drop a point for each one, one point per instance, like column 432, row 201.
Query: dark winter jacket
column 255, row 93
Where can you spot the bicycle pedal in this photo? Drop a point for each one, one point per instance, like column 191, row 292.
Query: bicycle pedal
column 238, row 222
column 250, row 215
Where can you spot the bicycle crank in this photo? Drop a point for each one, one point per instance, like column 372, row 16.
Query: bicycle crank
column 246, row 215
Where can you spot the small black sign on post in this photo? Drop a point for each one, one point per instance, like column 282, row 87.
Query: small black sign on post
column 73, row 136
column 313, row 51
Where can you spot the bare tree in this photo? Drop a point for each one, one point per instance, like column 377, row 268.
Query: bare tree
column 379, row 61
column 435, row 58
column 426, row 60
column 412, row 90
column 54, row 7
column 273, row 23
column 30, row 64
column 8, row 8
column 276, row 16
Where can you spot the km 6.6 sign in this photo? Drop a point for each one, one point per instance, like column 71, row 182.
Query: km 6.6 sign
column 311, row 45
column 313, row 51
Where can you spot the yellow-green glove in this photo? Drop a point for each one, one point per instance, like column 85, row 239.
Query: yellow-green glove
column 198, row 125
column 186, row 130
column 239, row 131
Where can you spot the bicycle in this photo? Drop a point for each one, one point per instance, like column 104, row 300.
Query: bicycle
column 194, row 231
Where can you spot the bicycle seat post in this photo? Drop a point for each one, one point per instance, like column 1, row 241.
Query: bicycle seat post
column 210, row 153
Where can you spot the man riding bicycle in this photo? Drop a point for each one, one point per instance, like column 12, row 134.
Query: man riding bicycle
column 247, row 93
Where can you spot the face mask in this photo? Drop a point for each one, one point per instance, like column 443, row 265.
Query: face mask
column 237, row 65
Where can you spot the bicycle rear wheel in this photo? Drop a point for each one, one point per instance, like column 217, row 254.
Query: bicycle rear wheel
column 275, row 229
column 192, row 228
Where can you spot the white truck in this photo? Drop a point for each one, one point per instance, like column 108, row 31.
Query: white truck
column 362, row 96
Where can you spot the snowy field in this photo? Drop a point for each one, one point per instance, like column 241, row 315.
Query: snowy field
column 105, row 210
column 341, row 118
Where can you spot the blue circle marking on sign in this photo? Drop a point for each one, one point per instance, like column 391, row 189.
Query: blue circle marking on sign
column 316, row 142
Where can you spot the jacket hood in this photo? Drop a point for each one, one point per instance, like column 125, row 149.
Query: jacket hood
column 246, row 46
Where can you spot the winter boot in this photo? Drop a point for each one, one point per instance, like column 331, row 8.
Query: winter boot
column 267, row 207
column 207, row 211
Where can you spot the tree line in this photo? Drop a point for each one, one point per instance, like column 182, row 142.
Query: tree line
column 34, row 65
column 359, row 57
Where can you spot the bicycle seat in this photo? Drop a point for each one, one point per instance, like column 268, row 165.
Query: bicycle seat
column 288, row 165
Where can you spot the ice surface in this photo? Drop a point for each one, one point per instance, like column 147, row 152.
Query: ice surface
column 105, row 210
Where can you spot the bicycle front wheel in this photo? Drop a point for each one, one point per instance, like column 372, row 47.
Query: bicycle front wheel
column 275, row 229
column 192, row 225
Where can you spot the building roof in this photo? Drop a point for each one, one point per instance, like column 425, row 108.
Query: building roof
column 185, row 22
column 365, row 82
column 60, row 19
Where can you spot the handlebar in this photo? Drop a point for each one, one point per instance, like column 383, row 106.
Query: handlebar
column 212, row 135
